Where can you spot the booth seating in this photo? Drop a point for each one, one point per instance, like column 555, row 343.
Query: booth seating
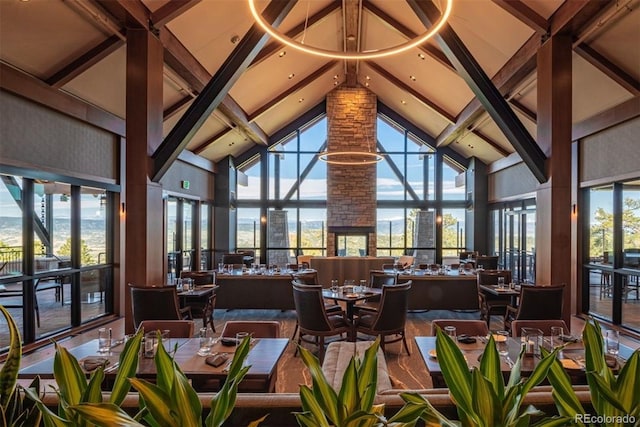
column 338, row 356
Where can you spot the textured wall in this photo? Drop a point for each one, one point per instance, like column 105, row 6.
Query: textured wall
column 36, row 137
column 201, row 182
column 351, row 198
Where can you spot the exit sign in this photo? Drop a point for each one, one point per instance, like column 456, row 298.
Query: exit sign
column 185, row 184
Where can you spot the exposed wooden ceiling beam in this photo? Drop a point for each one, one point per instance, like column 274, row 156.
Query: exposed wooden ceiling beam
column 170, row 11
column 176, row 107
column 411, row 91
column 522, row 109
column 85, row 61
column 523, row 63
column 130, row 13
column 485, row 138
column 205, row 144
column 291, row 90
column 525, row 14
column 485, row 91
column 216, row 90
column 396, row 25
column 193, row 72
column 610, row 69
column 614, row 116
column 352, row 38
column 314, row 19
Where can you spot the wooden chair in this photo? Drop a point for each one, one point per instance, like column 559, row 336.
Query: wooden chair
column 491, row 304
column 203, row 310
column 406, row 261
column 313, row 319
column 176, row 328
column 311, row 278
column 390, row 318
column 476, row 328
column 544, row 325
column 155, row 303
column 467, row 255
column 536, row 303
column 233, row 258
column 487, row 262
column 256, row 328
column 377, row 279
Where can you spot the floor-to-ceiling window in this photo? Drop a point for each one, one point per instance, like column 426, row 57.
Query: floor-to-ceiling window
column 612, row 252
column 55, row 253
column 188, row 240
column 420, row 199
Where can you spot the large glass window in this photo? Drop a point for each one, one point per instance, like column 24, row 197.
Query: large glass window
column 312, row 231
column 10, row 226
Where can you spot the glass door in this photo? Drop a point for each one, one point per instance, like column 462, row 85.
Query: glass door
column 518, row 242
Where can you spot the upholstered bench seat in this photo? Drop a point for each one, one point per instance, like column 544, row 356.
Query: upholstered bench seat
column 339, row 355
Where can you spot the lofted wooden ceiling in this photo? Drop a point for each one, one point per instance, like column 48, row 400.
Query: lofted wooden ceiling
column 79, row 47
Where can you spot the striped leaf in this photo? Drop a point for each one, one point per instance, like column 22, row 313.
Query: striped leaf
column 188, row 406
column 490, row 367
column 9, row 371
column 105, row 415
column 323, row 392
column 486, row 405
column 158, row 402
column 368, row 376
column 628, row 383
column 93, row 392
column 313, row 407
column 564, row 396
column 69, row 376
column 349, row 392
column 49, row 418
column 127, row 368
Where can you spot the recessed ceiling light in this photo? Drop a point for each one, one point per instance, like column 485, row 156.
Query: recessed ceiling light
column 335, row 77
column 367, row 77
column 335, row 83
column 470, row 146
column 292, row 75
column 413, row 78
column 283, row 53
column 300, row 100
column 421, row 56
column 403, row 102
column 235, row 39
column 366, row 84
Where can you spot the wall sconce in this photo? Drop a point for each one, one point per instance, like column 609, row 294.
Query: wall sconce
column 123, row 209
column 438, row 219
column 574, row 209
column 263, row 219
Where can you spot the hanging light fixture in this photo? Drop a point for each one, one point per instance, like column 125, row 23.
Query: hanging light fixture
column 334, row 54
column 351, row 158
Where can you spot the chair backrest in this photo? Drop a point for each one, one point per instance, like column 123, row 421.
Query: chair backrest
column 392, row 312
column 378, row 278
column 487, row 262
column 304, row 259
column 306, row 278
column 544, row 325
column 292, row 267
column 463, row 326
column 233, row 258
column 540, row 302
column 490, row 277
column 256, row 328
column 465, row 255
column 154, row 303
column 176, row 328
column 199, row 277
column 310, row 308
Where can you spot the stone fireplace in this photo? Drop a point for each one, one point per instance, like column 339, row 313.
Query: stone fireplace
column 351, row 198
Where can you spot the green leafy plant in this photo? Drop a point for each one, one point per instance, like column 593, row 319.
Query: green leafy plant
column 613, row 397
column 481, row 396
column 171, row 401
column 354, row 404
column 14, row 409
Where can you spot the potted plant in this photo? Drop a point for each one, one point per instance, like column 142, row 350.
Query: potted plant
column 615, row 399
column 15, row 410
column 481, row 396
column 353, row 404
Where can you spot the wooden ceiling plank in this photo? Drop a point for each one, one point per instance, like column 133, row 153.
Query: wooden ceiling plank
column 522, row 109
column 131, row 13
column 610, row 69
column 413, row 92
column 217, row 89
column 170, row 11
column 203, row 146
column 396, row 25
column 499, row 148
column 176, row 107
column 614, row 116
column 485, row 91
column 314, row 19
column 291, row 90
column 352, row 38
column 85, row 61
column 525, row 14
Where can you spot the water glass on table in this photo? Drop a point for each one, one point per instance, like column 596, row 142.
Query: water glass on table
column 334, row 286
column 206, row 341
column 241, row 336
column 557, row 333
column 502, row 341
column 104, row 340
column 500, row 282
column 451, row 331
column 612, row 340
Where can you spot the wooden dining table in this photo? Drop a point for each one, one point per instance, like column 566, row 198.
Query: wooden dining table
column 263, row 357
column 350, row 297
column 572, row 358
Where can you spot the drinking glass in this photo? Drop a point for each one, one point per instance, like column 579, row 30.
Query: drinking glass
column 612, row 339
column 220, row 268
column 334, row 286
column 241, row 336
column 556, row 336
column 104, row 340
column 500, row 282
column 451, row 331
column 363, row 285
column 480, row 267
column 502, row 341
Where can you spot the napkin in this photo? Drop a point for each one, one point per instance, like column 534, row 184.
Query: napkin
column 92, row 363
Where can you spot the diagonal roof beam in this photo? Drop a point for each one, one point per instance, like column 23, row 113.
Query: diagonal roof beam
column 170, row 11
column 216, row 90
column 485, row 91
column 573, row 14
column 525, row 14
column 611, row 70
column 85, row 61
